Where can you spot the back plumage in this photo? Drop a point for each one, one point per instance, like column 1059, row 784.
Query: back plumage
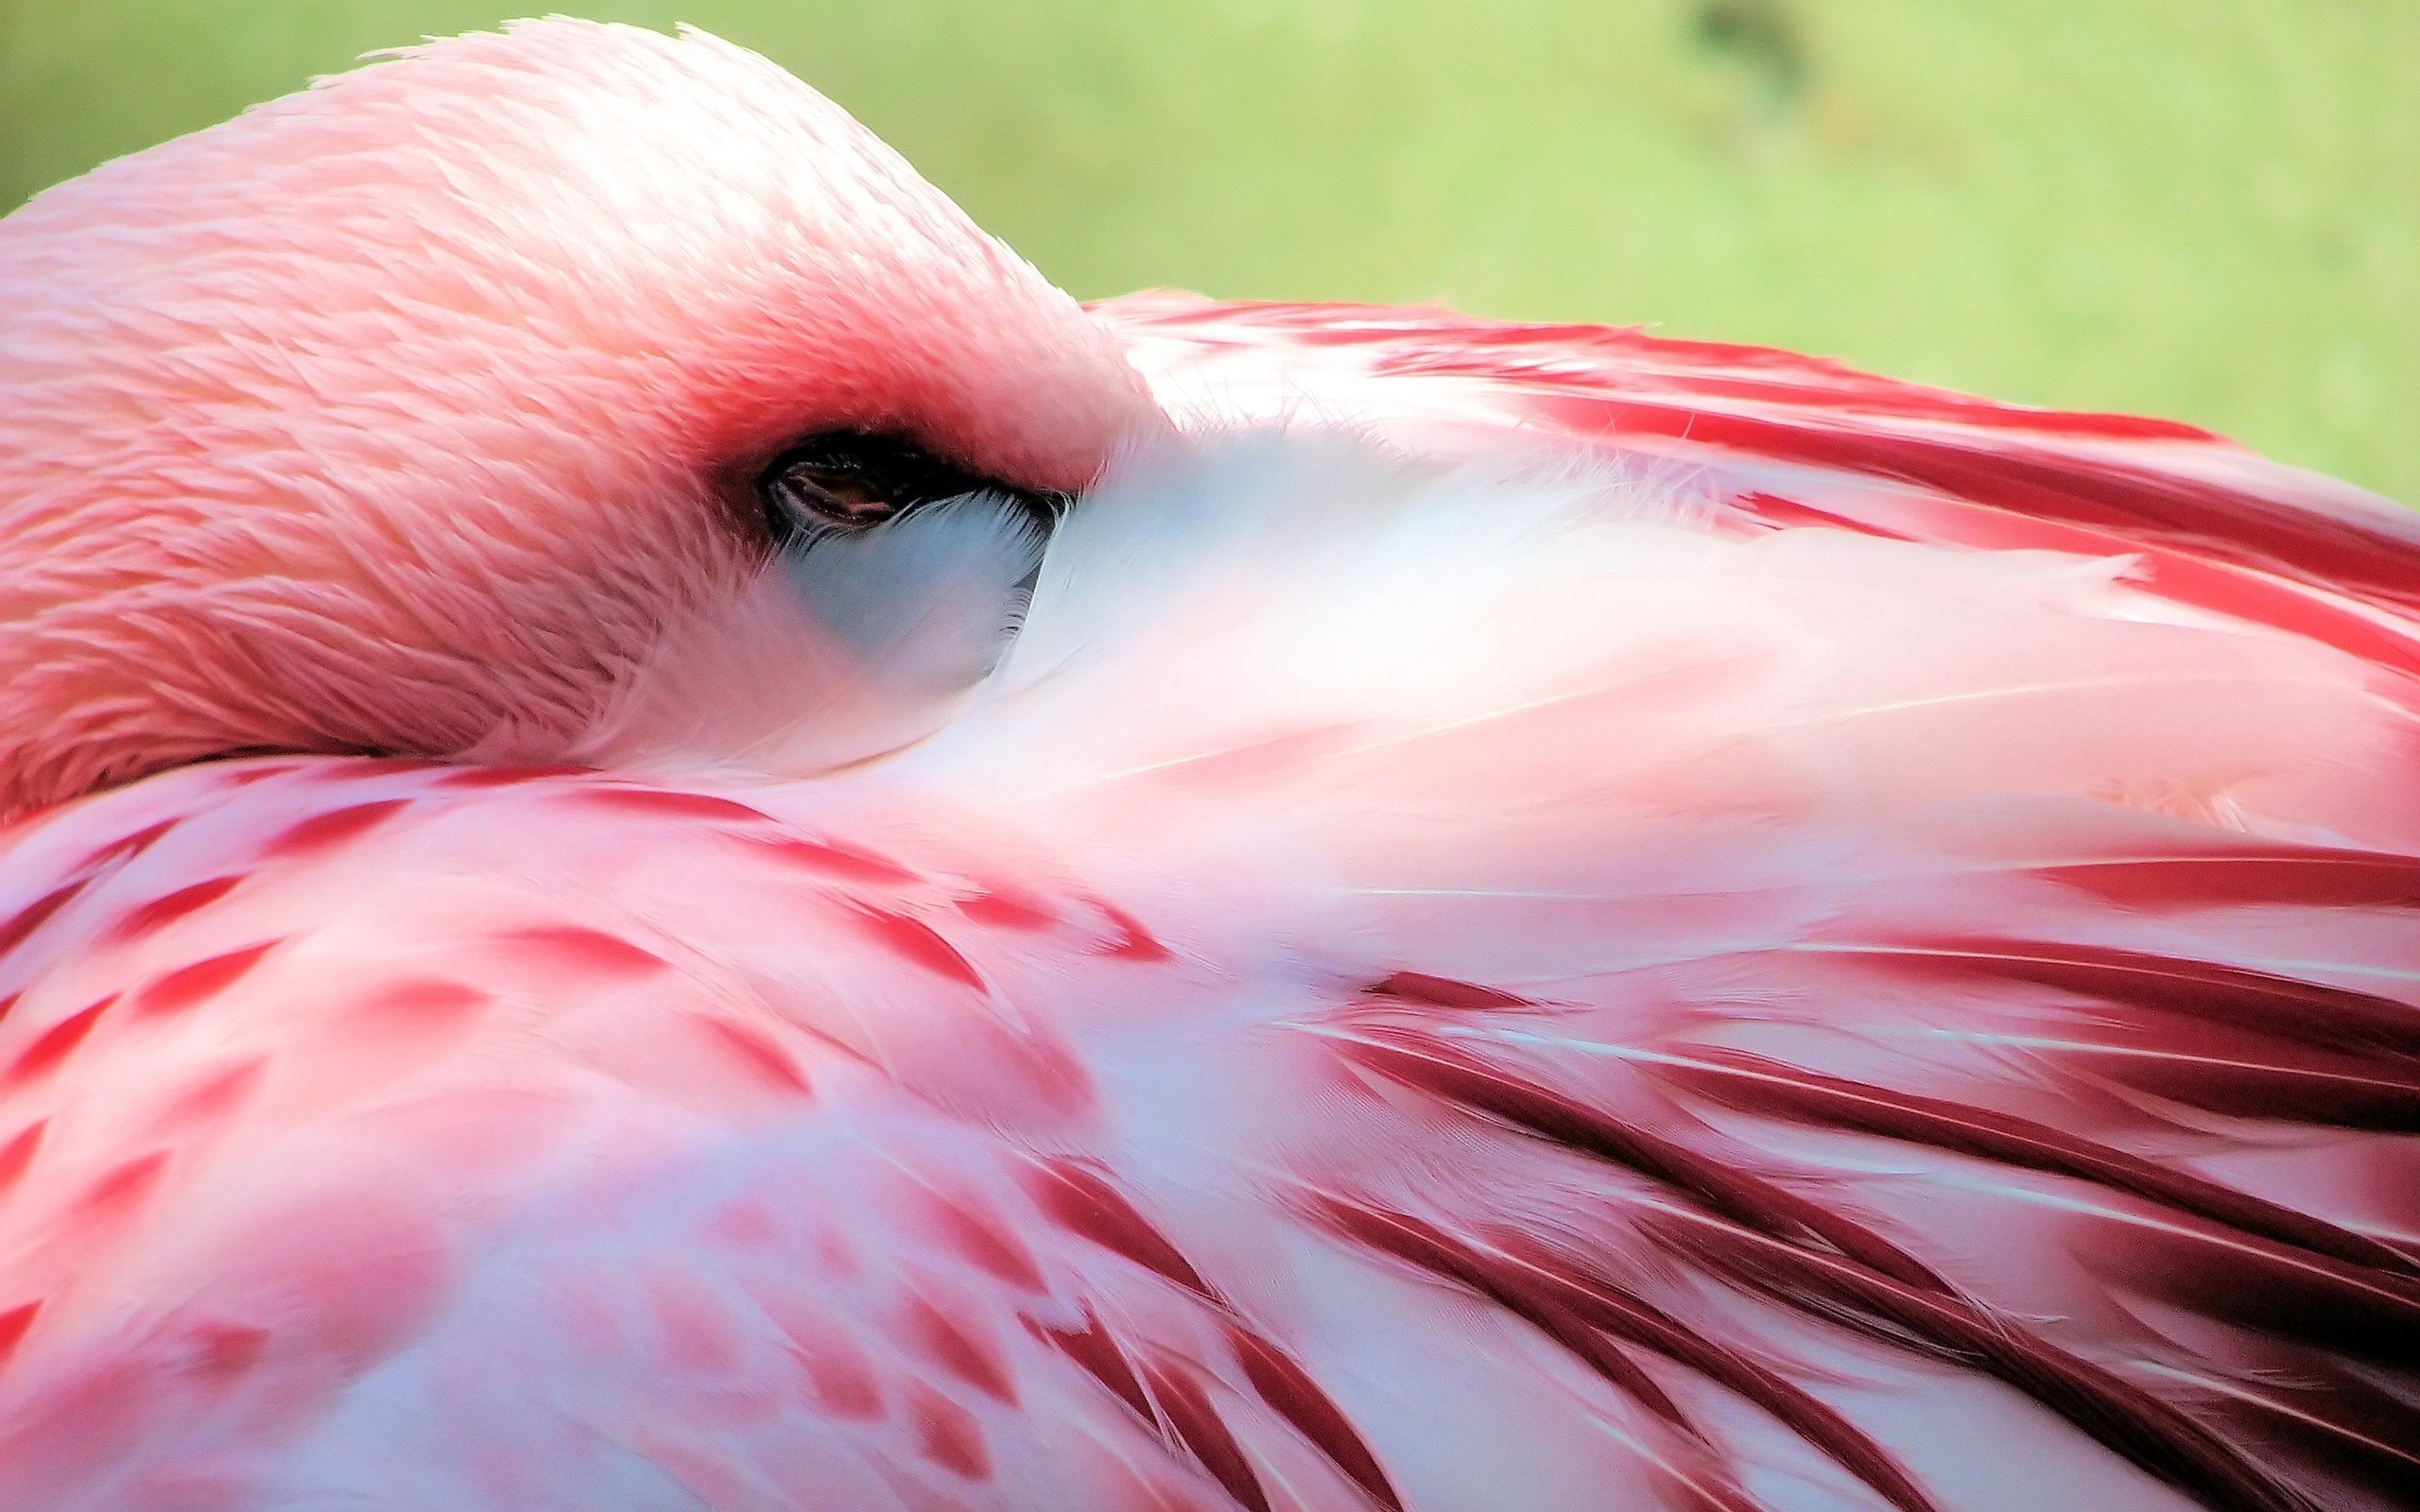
column 1660, row 926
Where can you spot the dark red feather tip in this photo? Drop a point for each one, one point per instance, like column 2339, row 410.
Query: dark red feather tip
column 1295, row 1396
column 181, row 988
column 166, row 909
column 917, row 943
column 1443, row 993
column 22, row 925
column 1197, row 1424
column 672, row 803
column 54, row 1044
column 1086, row 1204
column 15, row 1323
column 1091, row 1348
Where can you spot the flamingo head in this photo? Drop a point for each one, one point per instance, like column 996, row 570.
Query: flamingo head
column 408, row 413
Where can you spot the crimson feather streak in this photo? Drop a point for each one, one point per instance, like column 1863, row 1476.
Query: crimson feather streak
column 1508, row 917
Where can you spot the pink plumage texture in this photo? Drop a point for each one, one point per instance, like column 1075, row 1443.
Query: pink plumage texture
column 1533, row 918
column 541, row 293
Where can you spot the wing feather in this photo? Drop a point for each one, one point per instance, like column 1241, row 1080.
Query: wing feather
column 1847, row 948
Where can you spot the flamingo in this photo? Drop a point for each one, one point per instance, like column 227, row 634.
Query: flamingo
column 1504, row 917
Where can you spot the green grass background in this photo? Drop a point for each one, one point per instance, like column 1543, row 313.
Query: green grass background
column 2208, row 209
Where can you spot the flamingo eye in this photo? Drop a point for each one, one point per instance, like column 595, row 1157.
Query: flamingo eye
column 845, row 484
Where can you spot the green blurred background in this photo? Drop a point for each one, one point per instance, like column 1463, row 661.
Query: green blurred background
column 2208, row 209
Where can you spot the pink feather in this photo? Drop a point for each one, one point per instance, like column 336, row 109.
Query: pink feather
column 1535, row 918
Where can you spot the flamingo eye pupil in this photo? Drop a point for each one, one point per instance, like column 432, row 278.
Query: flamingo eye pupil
column 846, row 483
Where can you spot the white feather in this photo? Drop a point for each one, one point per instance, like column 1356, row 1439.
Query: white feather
column 834, row 652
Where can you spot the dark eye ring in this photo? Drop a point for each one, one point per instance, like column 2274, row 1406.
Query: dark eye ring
column 844, row 483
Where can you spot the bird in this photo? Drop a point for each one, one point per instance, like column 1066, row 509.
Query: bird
column 675, row 840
